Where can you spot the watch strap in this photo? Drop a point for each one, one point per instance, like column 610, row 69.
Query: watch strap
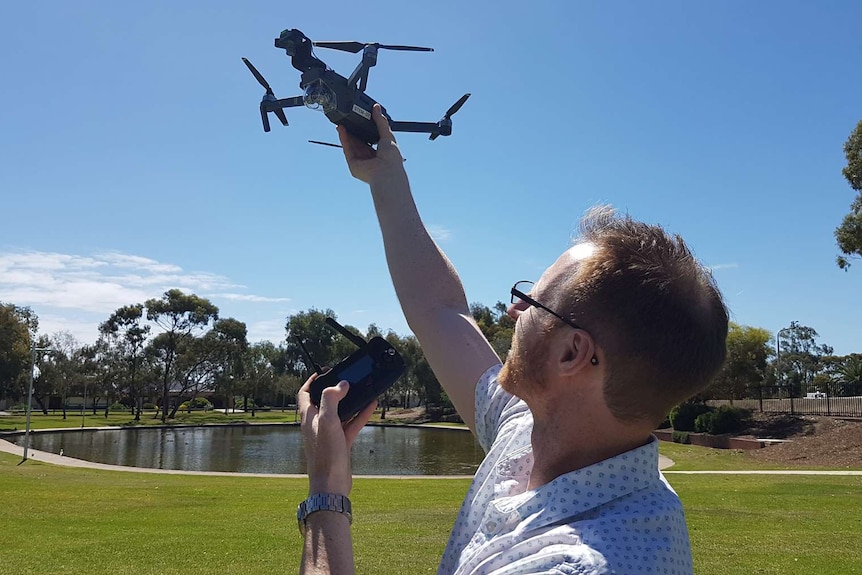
column 323, row 502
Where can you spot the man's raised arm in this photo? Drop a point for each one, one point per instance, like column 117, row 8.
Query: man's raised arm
column 426, row 283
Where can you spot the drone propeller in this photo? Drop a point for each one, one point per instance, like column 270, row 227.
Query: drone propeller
column 259, row 77
column 267, row 98
column 353, row 47
column 446, row 120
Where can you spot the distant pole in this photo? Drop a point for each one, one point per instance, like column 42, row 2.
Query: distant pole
column 33, row 350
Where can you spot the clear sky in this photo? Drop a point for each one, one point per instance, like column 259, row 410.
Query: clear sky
column 132, row 158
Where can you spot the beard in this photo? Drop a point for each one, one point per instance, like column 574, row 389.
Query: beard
column 525, row 366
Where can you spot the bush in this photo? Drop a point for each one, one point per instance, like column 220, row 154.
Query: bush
column 196, row 403
column 725, row 419
column 148, row 405
column 117, row 406
column 683, row 416
column 681, row 437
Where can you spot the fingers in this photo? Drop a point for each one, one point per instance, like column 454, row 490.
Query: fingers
column 355, row 425
column 386, row 135
column 303, row 397
column 353, row 148
column 330, row 397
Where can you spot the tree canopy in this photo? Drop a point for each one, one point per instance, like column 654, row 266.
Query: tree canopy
column 849, row 233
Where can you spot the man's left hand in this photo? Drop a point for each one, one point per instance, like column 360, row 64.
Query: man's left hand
column 327, row 440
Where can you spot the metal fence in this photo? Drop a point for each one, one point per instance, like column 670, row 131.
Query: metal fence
column 780, row 399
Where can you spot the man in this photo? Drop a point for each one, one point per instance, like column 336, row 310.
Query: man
column 622, row 327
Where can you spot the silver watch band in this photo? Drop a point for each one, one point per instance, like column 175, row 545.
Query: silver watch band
column 323, row 502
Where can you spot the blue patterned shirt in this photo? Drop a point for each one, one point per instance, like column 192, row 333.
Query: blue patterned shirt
column 616, row 516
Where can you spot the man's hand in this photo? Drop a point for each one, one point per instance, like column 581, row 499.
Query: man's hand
column 327, row 440
column 370, row 165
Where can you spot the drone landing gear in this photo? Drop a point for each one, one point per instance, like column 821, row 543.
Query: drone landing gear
column 270, row 103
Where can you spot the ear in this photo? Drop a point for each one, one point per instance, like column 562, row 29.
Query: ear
column 576, row 352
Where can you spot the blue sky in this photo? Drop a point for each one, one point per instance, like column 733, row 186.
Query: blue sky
column 133, row 159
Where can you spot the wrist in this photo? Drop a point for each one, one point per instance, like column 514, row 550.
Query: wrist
column 326, row 507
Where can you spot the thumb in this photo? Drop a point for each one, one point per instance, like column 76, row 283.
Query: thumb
column 330, row 398
column 383, row 128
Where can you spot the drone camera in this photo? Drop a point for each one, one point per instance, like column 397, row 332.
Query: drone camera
column 318, row 96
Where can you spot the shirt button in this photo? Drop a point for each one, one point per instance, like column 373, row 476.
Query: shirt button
column 491, row 526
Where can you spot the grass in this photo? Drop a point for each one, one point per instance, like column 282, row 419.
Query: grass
column 76, row 521
column 83, row 521
column 768, row 524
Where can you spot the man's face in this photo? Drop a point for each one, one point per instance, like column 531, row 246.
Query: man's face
column 526, row 367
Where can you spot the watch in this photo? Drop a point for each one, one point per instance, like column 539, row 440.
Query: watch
column 323, row 502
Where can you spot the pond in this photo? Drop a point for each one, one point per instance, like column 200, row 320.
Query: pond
column 265, row 449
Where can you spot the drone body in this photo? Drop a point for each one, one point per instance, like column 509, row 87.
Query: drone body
column 342, row 100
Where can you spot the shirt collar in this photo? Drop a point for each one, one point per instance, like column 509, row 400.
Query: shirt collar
column 585, row 489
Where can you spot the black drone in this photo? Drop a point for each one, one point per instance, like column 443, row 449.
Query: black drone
column 343, row 100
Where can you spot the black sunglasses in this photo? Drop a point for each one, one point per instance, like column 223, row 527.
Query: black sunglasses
column 519, row 295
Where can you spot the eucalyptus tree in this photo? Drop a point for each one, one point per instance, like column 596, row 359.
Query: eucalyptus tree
column 181, row 318
column 799, row 357
column 746, row 365
column 849, row 233
column 124, row 336
column 224, row 349
column 325, row 345
column 18, row 325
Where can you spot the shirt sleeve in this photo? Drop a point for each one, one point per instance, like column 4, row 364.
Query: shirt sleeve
column 494, row 407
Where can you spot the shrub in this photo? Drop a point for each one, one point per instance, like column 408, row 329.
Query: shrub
column 725, row 419
column 117, row 406
column 196, row 403
column 148, row 405
column 681, row 437
column 683, row 416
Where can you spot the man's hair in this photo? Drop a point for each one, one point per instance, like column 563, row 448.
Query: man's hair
column 655, row 311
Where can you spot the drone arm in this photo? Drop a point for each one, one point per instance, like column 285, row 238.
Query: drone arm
column 360, row 74
column 289, row 102
column 277, row 108
column 420, row 127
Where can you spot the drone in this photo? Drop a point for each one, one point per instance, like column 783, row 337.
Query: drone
column 342, row 100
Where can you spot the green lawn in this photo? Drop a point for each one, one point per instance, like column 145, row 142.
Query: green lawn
column 65, row 520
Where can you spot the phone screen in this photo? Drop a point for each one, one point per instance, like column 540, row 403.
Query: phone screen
column 357, row 371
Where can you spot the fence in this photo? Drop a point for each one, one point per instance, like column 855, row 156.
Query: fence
column 807, row 401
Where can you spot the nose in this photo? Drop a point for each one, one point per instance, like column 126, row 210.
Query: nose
column 516, row 309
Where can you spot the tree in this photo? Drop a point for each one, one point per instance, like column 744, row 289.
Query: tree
column 849, row 233
column 746, row 365
column 496, row 326
column 260, row 378
column 325, row 345
column 849, row 376
column 800, row 356
column 125, row 339
column 224, row 349
column 17, row 326
column 61, row 372
column 181, row 316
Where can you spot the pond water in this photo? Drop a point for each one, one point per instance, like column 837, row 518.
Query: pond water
column 266, row 449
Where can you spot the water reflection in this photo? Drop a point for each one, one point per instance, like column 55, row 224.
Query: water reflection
column 266, row 449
